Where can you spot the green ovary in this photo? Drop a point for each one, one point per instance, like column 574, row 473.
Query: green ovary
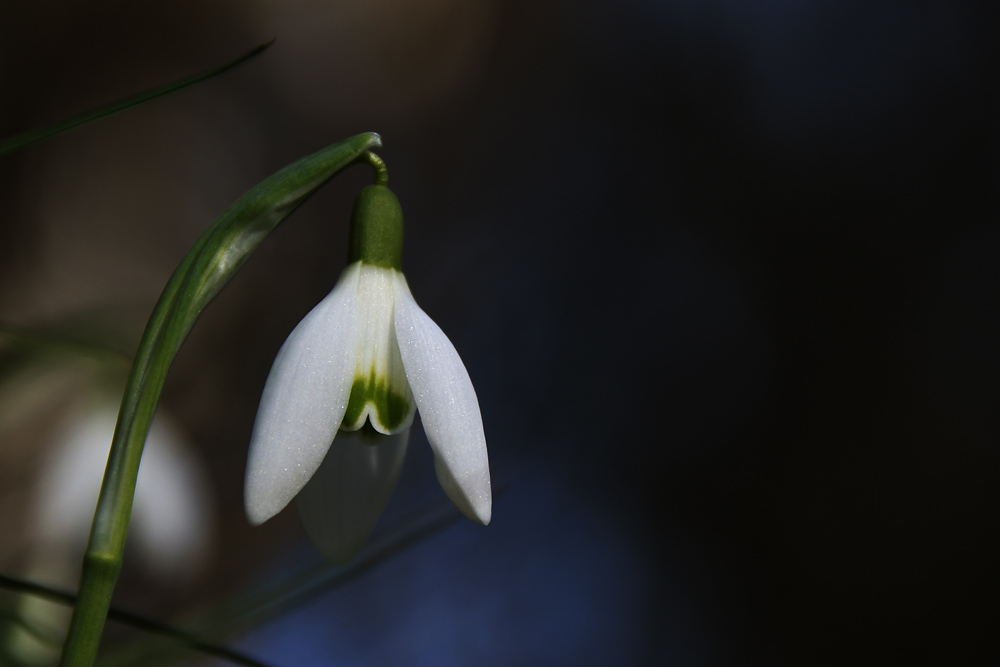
column 389, row 408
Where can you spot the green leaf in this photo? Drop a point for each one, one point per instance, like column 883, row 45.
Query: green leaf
column 32, row 136
column 176, row 636
column 207, row 267
column 48, row 344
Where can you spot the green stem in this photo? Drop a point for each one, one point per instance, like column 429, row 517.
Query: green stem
column 377, row 165
column 100, row 571
column 103, row 559
column 208, row 266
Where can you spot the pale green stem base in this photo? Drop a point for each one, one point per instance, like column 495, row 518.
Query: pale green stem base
column 100, row 573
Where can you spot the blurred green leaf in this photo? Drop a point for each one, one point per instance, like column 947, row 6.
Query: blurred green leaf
column 48, row 344
column 177, row 637
column 11, row 620
column 32, row 136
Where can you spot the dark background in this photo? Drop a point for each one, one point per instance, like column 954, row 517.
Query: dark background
column 723, row 273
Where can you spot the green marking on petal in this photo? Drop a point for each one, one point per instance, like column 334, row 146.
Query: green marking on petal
column 389, row 408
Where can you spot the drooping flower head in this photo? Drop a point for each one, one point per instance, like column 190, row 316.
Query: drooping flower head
column 334, row 418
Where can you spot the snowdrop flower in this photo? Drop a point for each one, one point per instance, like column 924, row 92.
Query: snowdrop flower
column 335, row 415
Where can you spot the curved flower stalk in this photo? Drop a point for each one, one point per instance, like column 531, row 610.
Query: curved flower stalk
column 213, row 260
column 334, row 418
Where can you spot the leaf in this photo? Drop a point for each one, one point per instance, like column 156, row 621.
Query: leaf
column 177, row 637
column 33, row 136
column 47, row 344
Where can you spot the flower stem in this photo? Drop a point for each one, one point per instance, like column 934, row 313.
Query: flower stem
column 100, row 572
column 378, row 166
column 208, row 266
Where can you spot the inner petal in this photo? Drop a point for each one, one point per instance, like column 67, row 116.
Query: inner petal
column 380, row 393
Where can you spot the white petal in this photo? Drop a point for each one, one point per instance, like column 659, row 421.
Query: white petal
column 304, row 400
column 448, row 407
column 343, row 500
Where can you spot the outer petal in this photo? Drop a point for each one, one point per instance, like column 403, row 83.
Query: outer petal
column 448, row 407
column 343, row 500
column 304, row 401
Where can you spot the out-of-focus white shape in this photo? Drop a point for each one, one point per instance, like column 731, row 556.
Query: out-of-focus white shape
column 171, row 525
column 172, row 511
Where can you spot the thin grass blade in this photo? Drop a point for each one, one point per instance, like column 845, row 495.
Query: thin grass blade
column 34, row 136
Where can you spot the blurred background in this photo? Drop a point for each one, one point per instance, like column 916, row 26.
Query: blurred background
column 723, row 273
